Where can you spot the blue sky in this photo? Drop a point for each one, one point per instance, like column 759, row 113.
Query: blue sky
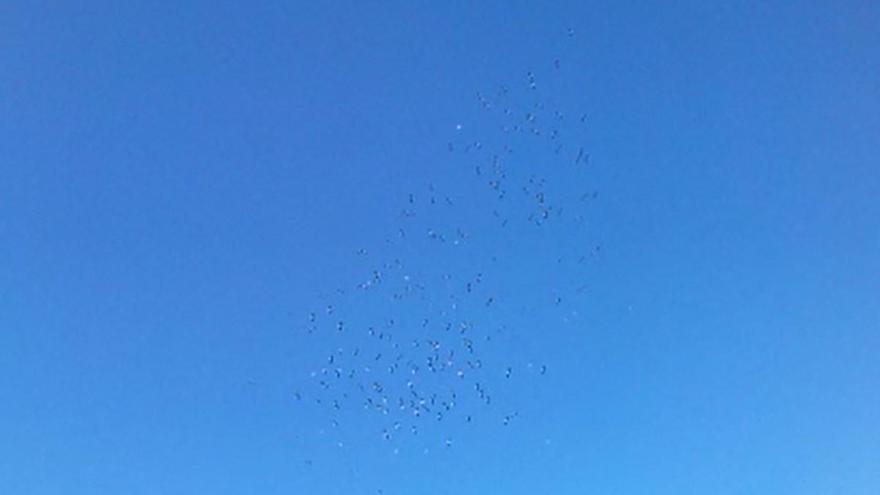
column 180, row 186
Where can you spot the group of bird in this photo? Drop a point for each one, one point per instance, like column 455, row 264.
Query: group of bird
column 427, row 341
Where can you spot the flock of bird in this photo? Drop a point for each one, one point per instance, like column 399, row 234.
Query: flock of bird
column 427, row 337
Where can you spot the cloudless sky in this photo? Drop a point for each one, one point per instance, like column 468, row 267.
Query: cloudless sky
column 180, row 181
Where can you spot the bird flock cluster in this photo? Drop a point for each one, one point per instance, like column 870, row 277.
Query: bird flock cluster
column 429, row 341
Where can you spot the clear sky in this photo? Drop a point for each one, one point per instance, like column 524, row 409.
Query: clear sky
column 181, row 185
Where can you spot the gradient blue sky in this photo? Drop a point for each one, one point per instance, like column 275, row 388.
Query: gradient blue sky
column 179, row 182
